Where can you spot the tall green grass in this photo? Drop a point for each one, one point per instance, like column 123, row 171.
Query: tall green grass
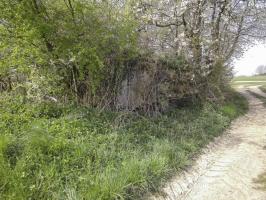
column 52, row 151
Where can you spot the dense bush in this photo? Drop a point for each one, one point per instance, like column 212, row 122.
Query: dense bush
column 69, row 49
column 87, row 52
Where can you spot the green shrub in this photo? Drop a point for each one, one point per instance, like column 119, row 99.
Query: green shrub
column 49, row 110
column 229, row 110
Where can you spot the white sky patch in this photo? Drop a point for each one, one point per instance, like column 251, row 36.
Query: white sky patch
column 252, row 58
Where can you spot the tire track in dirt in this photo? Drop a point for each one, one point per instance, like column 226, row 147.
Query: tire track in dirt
column 227, row 168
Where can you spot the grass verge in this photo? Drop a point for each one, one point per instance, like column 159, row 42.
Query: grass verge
column 63, row 152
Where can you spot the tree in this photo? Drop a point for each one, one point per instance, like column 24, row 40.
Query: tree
column 261, row 69
column 73, row 46
column 208, row 33
column 83, row 50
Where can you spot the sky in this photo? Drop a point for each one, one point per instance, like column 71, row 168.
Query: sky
column 252, row 58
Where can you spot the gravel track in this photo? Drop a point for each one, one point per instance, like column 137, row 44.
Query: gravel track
column 227, row 168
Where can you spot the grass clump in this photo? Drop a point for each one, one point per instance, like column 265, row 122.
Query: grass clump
column 261, row 181
column 235, row 105
column 65, row 152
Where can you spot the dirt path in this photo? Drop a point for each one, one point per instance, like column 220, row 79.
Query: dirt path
column 228, row 166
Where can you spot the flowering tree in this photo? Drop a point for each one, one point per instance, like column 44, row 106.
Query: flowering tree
column 208, row 33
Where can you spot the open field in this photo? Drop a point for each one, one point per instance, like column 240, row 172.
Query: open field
column 246, row 81
column 250, row 78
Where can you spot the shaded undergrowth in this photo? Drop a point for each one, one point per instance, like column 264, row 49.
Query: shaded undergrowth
column 52, row 151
